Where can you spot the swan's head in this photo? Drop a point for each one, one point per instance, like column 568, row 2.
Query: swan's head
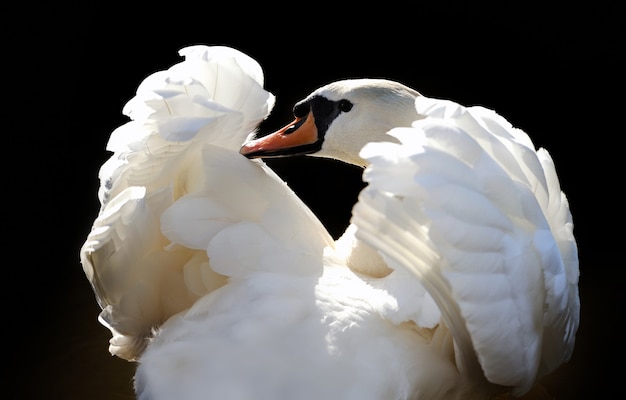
column 337, row 120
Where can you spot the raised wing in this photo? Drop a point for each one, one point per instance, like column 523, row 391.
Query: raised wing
column 174, row 183
column 468, row 206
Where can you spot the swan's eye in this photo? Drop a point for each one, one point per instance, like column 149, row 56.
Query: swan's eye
column 344, row 105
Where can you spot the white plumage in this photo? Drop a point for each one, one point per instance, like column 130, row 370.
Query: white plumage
column 483, row 202
column 456, row 279
column 209, row 102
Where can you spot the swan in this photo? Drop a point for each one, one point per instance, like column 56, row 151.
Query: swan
column 456, row 279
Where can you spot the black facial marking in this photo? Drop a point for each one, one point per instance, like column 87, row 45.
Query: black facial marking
column 325, row 111
column 301, row 109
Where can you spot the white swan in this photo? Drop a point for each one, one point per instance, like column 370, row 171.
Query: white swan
column 461, row 281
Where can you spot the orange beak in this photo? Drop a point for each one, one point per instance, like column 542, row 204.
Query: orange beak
column 293, row 139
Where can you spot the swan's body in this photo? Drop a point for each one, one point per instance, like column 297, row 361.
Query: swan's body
column 456, row 279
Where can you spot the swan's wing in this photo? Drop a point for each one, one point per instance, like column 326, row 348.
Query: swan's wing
column 175, row 182
column 214, row 96
column 477, row 215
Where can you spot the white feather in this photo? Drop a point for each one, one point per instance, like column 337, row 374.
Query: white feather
column 479, row 199
column 140, row 275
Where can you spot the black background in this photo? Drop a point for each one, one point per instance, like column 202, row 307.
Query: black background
column 555, row 72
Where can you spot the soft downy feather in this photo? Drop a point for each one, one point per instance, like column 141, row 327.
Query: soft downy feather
column 468, row 219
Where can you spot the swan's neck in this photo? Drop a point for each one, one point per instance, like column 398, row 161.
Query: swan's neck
column 360, row 257
column 345, row 138
column 348, row 157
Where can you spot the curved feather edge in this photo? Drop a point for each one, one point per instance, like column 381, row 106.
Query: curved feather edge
column 398, row 246
column 469, row 168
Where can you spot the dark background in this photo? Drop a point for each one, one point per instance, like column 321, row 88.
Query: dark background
column 555, row 72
